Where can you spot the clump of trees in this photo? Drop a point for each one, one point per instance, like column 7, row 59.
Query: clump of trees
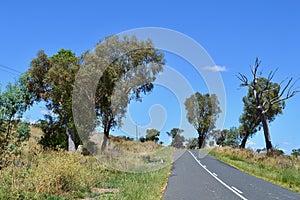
column 296, row 152
column 152, row 135
column 192, row 143
column 126, row 68
column 265, row 100
column 231, row 137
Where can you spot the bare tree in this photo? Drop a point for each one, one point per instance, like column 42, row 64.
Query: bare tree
column 261, row 94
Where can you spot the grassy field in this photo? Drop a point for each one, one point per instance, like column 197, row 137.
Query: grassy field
column 40, row 174
column 281, row 170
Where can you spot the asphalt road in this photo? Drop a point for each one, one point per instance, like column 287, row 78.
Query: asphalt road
column 196, row 176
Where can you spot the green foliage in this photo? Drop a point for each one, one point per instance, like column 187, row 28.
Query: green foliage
column 268, row 99
column 178, row 141
column 54, row 133
column 250, row 119
column 202, row 113
column 192, row 143
column 174, row 132
column 52, row 80
column 23, row 132
column 152, row 135
column 46, row 174
column 177, row 138
column 296, row 152
column 13, row 103
column 232, row 137
column 278, row 169
column 220, row 136
column 126, row 68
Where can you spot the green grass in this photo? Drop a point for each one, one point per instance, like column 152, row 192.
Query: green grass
column 39, row 174
column 280, row 170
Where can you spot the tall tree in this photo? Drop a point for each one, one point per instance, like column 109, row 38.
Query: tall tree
column 52, row 79
column 202, row 113
column 266, row 95
column 128, row 68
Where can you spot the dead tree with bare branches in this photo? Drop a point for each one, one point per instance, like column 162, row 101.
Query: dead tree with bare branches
column 266, row 95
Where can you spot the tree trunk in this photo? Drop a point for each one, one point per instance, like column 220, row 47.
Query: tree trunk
column 71, row 142
column 71, row 138
column 200, row 140
column 105, row 138
column 244, row 141
column 269, row 145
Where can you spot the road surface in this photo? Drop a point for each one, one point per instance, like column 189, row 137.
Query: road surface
column 195, row 176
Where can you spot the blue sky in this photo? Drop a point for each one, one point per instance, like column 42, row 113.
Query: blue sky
column 233, row 33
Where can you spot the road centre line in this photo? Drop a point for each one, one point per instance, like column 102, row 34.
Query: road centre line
column 231, row 189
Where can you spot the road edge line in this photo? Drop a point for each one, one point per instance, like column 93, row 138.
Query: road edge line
column 219, row 180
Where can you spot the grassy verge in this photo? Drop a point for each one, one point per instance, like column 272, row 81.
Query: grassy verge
column 39, row 174
column 280, row 170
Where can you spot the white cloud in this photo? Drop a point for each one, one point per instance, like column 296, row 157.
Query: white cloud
column 215, row 68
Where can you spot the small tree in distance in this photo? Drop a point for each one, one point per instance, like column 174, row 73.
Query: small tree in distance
column 296, row 152
column 177, row 138
column 152, row 135
column 192, row 143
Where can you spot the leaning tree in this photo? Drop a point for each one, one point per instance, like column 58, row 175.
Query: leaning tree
column 266, row 97
column 250, row 119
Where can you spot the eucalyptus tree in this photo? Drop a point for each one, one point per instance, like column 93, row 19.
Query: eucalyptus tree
column 128, row 68
column 250, row 119
column 267, row 96
column 177, row 138
column 51, row 79
column 202, row 113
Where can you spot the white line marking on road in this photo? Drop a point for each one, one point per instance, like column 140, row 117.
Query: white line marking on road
column 215, row 174
column 232, row 190
column 239, row 191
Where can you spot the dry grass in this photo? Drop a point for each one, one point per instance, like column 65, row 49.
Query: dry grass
column 131, row 156
column 281, row 170
column 40, row 174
